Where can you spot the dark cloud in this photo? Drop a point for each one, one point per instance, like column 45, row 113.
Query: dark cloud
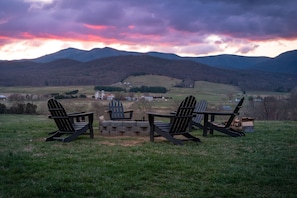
column 242, row 19
column 247, row 49
column 248, row 19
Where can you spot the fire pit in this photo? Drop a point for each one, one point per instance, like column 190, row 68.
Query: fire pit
column 129, row 128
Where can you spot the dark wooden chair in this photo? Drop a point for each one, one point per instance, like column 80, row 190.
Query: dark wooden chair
column 222, row 127
column 178, row 125
column 116, row 111
column 198, row 118
column 70, row 126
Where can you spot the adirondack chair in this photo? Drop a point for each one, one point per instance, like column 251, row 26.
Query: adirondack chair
column 178, row 125
column 222, row 127
column 70, row 126
column 198, row 118
column 116, row 111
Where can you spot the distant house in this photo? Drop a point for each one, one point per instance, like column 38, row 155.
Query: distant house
column 109, row 96
column 148, row 98
column 2, row 97
column 226, row 108
column 97, row 95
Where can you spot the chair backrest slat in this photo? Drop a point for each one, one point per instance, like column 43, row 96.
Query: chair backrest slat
column 200, row 107
column 235, row 112
column 117, row 109
column 184, row 115
column 59, row 115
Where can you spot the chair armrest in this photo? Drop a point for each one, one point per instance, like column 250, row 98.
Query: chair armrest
column 79, row 114
column 82, row 115
column 161, row 115
column 216, row 113
column 130, row 112
column 151, row 118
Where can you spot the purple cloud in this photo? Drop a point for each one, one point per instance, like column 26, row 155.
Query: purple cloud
column 175, row 21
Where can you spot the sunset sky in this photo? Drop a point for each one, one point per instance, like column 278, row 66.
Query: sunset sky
column 32, row 28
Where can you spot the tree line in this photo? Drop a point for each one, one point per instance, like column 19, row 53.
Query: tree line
column 273, row 108
column 68, row 95
column 18, row 106
column 142, row 89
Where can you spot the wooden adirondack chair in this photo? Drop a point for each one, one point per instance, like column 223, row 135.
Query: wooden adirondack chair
column 116, row 111
column 70, row 126
column 222, row 127
column 178, row 125
column 198, row 118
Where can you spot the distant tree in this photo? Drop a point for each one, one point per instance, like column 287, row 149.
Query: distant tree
column 54, row 94
column 146, row 89
column 71, row 92
column 142, row 107
column 17, row 108
column 3, row 108
column 119, row 96
column 108, row 88
column 230, row 96
column 59, row 96
column 292, row 107
column 16, row 98
column 270, row 104
column 30, row 108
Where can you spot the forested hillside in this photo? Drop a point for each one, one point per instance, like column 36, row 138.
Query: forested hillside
column 110, row 70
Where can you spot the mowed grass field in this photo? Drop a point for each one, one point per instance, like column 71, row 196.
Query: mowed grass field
column 261, row 164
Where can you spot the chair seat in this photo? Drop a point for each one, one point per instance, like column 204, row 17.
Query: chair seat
column 225, row 127
column 218, row 124
column 163, row 126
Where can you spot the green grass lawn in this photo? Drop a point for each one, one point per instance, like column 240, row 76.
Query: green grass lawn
column 261, row 164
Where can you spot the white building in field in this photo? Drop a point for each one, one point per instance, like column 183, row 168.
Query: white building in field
column 97, row 95
column 100, row 95
column 2, row 97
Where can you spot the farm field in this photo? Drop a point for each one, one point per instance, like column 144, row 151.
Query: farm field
column 261, row 164
column 214, row 93
column 202, row 89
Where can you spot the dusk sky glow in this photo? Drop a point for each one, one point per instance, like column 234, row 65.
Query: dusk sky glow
column 32, row 28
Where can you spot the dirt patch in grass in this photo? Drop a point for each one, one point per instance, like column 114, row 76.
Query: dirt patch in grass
column 124, row 140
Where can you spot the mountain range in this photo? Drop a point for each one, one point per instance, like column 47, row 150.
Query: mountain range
column 284, row 63
column 107, row 65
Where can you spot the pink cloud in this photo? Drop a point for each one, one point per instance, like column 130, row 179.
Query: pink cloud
column 156, row 23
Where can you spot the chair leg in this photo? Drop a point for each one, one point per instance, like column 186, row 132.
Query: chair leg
column 91, row 131
column 191, row 137
column 152, row 138
column 230, row 132
column 53, row 132
column 53, row 136
column 152, row 135
column 171, row 138
column 73, row 136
